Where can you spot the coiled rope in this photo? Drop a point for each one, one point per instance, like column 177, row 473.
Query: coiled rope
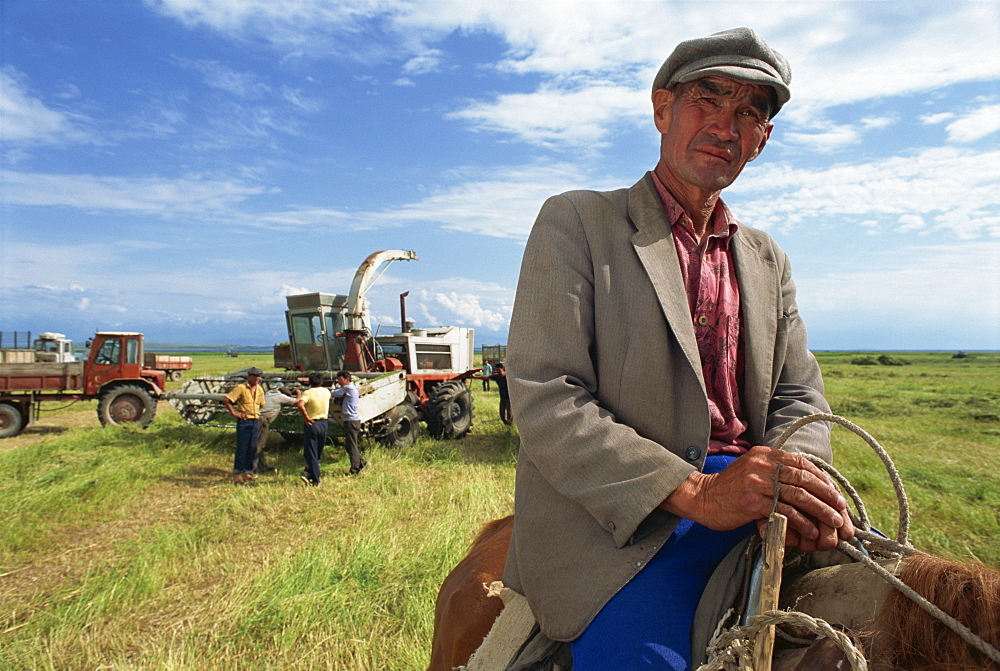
column 731, row 650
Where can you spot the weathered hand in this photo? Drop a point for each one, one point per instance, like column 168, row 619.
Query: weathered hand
column 744, row 492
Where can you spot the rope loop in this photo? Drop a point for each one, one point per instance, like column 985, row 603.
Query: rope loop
column 732, row 650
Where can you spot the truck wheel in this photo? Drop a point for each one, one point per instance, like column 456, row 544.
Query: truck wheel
column 449, row 410
column 176, row 376
column 127, row 404
column 401, row 427
column 11, row 421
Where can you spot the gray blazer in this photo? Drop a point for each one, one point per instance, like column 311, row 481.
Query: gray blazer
column 608, row 395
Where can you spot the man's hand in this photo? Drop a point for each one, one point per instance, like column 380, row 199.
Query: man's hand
column 744, row 492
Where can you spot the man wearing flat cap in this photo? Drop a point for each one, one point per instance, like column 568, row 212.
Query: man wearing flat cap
column 656, row 351
column 244, row 402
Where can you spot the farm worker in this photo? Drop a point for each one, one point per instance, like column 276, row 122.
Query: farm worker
column 351, row 420
column 248, row 398
column 486, row 372
column 500, row 377
column 314, row 405
column 273, row 400
column 656, row 350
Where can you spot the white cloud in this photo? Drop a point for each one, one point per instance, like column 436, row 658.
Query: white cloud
column 580, row 118
column 975, row 125
column 27, row 120
column 911, row 222
column 157, row 196
column 224, row 78
column 504, row 205
column 937, row 118
column 428, row 61
column 595, row 62
column 832, row 138
column 955, row 191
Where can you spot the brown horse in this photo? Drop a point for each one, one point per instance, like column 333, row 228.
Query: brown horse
column 902, row 636
column 464, row 614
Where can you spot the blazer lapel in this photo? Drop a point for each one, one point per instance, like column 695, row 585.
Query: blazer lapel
column 760, row 306
column 654, row 245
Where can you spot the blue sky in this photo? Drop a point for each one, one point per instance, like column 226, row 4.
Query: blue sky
column 177, row 167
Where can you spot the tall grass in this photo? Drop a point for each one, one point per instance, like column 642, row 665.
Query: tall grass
column 132, row 549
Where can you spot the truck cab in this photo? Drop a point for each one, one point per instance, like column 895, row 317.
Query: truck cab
column 53, row 348
column 115, row 357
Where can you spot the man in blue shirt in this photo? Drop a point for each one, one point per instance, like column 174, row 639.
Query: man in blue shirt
column 348, row 391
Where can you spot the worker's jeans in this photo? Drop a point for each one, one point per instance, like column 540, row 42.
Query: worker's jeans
column 313, row 440
column 246, row 445
column 352, row 429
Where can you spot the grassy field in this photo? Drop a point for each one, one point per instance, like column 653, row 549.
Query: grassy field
column 130, row 549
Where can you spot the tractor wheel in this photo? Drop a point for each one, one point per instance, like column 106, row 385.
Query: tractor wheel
column 401, row 427
column 11, row 421
column 449, row 410
column 127, row 404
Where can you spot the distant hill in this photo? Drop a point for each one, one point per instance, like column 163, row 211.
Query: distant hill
column 168, row 347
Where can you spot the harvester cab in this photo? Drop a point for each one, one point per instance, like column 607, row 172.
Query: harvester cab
column 331, row 331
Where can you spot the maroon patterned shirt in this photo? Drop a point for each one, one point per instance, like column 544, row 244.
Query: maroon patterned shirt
column 714, row 300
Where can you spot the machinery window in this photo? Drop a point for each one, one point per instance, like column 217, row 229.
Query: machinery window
column 337, row 346
column 132, row 351
column 307, row 340
column 110, row 353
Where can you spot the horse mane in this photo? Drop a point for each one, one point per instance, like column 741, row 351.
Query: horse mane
column 910, row 639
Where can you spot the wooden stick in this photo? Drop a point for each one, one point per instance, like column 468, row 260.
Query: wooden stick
column 774, row 558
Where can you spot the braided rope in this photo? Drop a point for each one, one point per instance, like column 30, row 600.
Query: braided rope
column 733, row 650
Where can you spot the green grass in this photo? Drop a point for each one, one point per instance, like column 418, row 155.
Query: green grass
column 126, row 549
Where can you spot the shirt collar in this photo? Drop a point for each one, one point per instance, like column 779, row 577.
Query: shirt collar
column 723, row 224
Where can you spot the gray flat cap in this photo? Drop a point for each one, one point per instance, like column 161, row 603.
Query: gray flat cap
column 255, row 371
column 739, row 54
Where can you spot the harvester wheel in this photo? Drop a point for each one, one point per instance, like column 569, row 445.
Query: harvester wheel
column 127, row 404
column 11, row 421
column 449, row 410
column 401, row 427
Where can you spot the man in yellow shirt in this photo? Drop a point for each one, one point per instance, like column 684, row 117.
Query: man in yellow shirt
column 248, row 398
column 314, row 404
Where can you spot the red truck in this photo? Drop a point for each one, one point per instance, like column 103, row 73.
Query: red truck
column 173, row 365
column 113, row 373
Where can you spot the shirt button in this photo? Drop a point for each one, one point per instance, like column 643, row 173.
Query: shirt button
column 703, row 320
column 692, row 453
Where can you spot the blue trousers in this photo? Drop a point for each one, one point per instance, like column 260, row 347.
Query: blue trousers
column 647, row 624
column 313, row 440
column 246, row 445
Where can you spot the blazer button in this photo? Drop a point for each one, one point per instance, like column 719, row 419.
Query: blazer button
column 611, row 526
column 692, row 453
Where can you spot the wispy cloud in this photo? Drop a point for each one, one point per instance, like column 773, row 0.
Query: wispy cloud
column 27, row 120
column 195, row 194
